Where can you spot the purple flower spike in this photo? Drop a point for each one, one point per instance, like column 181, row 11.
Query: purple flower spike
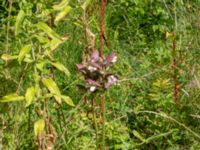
column 94, row 56
column 112, row 58
column 94, row 71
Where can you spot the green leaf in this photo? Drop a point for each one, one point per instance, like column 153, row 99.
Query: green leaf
column 67, row 100
column 39, row 127
column 85, row 4
column 50, row 32
column 42, row 39
column 19, row 20
column 54, row 44
column 61, row 5
column 53, row 88
column 30, row 95
column 155, row 137
column 62, row 14
column 138, row 135
column 61, row 67
column 40, row 65
column 25, row 50
column 155, row 28
column 11, row 98
column 7, row 57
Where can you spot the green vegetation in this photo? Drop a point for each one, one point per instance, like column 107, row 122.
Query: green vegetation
column 47, row 103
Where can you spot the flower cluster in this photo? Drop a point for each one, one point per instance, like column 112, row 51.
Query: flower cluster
column 95, row 71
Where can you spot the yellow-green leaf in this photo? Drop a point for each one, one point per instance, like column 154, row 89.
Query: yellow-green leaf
column 19, row 20
column 42, row 39
column 25, row 50
column 11, row 98
column 40, row 65
column 85, row 4
column 61, row 5
column 7, row 57
column 53, row 88
column 50, row 32
column 138, row 135
column 30, row 95
column 67, row 100
column 54, row 43
column 39, row 127
column 62, row 14
column 61, row 67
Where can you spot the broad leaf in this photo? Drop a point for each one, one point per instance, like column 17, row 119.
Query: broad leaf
column 19, row 20
column 11, row 98
column 61, row 5
column 54, row 43
column 61, row 67
column 39, row 127
column 30, row 95
column 25, row 50
column 42, row 39
column 67, row 100
column 53, row 88
column 62, row 14
column 50, row 32
column 7, row 57
column 40, row 65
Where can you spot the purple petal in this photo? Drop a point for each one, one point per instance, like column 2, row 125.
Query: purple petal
column 107, row 85
column 112, row 58
column 112, row 79
column 96, row 65
column 80, row 66
column 92, row 82
column 94, row 56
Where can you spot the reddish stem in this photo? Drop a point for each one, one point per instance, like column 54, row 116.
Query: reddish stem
column 176, row 62
column 102, row 27
column 102, row 106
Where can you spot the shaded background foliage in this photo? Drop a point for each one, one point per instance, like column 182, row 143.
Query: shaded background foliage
column 136, row 30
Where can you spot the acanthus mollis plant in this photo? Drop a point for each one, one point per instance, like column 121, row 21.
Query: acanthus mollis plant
column 96, row 71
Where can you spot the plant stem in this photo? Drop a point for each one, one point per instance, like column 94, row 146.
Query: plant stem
column 102, row 27
column 175, row 69
column 7, row 27
column 102, row 105
column 95, row 123
column 103, row 121
column 29, row 119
